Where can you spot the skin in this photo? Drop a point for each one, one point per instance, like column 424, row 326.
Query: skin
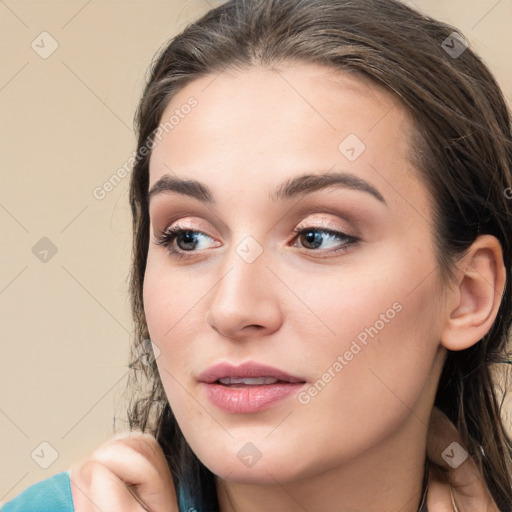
column 250, row 132
column 360, row 443
column 129, row 472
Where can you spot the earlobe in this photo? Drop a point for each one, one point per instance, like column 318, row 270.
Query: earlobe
column 478, row 295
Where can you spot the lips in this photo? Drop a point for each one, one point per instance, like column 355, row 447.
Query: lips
column 250, row 373
column 249, row 388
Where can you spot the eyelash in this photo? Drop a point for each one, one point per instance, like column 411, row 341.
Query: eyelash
column 166, row 238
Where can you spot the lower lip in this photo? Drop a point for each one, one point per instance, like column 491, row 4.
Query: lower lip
column 243, row 400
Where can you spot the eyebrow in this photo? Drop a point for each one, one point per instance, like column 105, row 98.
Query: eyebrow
column 294, row 187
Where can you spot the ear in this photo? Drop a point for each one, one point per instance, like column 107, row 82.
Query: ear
column 474, row 303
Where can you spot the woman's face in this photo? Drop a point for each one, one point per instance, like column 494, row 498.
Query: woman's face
column 354, row 312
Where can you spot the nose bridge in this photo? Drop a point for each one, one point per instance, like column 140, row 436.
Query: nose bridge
column 244, row 272
column 244, row 295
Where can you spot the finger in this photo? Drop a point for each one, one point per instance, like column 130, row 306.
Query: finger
column 439, row 497
column 445, row 448
column 138, row 460
column 95, row 488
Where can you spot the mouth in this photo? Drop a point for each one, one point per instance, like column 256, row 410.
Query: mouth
column 233, row 382
column 248, row 388
column 247, row 374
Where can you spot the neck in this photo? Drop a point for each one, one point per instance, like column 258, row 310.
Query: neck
column 389, row 477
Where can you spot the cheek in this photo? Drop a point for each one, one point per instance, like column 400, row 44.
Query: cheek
column 171, row 300
column 379, row 362
column 376, row 315
column 169, row 316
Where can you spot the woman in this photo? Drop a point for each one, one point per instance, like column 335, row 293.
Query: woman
column 322, row 264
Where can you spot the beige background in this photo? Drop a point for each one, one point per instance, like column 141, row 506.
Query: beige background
column 65, row 128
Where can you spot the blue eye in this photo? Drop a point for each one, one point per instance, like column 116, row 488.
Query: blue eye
column 187, row 236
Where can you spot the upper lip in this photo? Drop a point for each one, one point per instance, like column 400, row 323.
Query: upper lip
column 245, row 370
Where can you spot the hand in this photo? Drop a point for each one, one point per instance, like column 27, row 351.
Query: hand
column 129, row 473
column 460, row 489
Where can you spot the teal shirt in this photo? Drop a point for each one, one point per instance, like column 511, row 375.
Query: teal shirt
column 52, row 495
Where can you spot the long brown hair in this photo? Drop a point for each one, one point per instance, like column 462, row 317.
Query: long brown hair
column 462, row 150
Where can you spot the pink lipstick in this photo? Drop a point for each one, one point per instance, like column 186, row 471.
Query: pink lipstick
column 248, row 388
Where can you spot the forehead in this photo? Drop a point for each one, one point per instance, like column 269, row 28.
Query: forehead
column 255, row 127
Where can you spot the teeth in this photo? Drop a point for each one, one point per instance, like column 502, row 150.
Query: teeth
column 249, row 381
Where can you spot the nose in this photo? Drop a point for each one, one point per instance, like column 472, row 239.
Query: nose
column 245, row 301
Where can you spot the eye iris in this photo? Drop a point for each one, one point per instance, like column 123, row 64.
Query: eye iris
column 313, row 237
column 188, row 237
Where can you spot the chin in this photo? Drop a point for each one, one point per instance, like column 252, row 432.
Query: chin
column 244, row 465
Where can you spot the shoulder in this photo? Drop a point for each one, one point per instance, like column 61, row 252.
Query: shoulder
column 50, row 495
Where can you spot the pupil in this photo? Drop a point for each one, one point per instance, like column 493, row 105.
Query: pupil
column 187, row 236
column 313, row 237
